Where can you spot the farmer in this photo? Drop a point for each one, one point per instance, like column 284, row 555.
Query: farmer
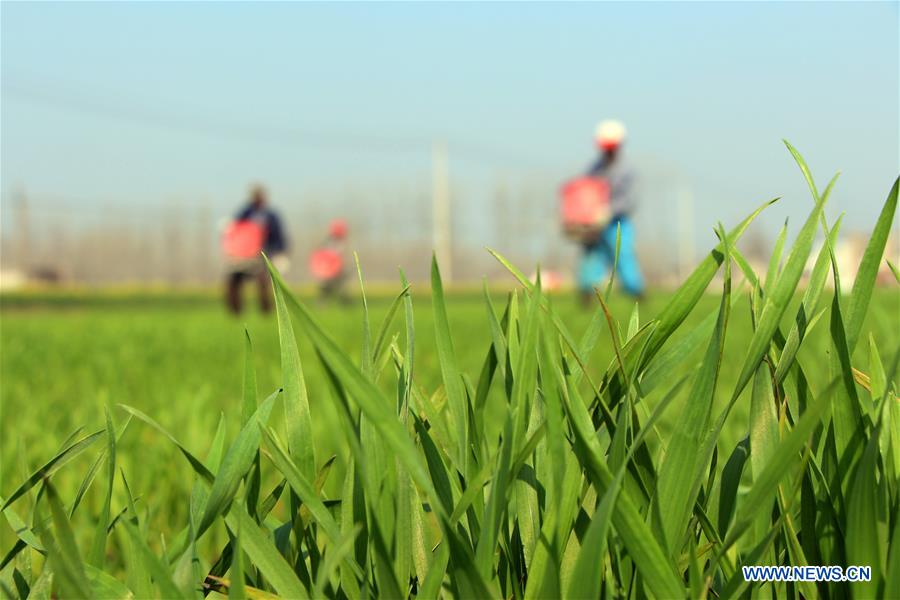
column 599, row 252
column 255, row 229
column 326, row 263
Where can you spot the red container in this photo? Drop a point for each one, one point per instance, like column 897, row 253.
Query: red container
column 584, row 207
column 243, row 239
column 325, row 264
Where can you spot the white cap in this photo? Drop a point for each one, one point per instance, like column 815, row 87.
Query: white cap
column 610, row 133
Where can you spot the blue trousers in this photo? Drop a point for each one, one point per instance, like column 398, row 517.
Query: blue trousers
column 599, row 256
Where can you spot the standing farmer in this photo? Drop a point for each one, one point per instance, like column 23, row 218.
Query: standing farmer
column 599, row 250
column 255, row 229
column 326, row 263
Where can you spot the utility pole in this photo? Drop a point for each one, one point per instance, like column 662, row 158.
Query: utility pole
column 685, row 230
column 204, row 247
column 23, row 250
column 501, row 217
column 440, row 210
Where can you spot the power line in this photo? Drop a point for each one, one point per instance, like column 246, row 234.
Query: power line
column 261, row 133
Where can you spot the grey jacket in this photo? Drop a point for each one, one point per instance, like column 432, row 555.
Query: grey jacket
column 621, row 181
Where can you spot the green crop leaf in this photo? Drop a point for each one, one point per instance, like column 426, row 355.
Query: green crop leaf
column 304, row 489
column 868, row 269
column 783, row 459
column 296, row 401
column 586, row 581
column 814, row 287
column 678, row 483
column 263, row 554
column 106, row 586
column 237, row 462
column 378, row 347
column 687, row 296
column 195, row 462
column 892, row 573
column 98, row 549
column 248, row 409
column 776, row 303
column 369, row 398
column 867, row 524
column 52, row 466
column 764, row 437
column 236, row 590
column 453, row 383
column 649, row 557
column 62, row 552
column 775, row 260
column 152, row 563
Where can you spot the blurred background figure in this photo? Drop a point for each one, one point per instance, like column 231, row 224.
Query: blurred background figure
column 599, row 252
column 255, row 229
column 327, row 264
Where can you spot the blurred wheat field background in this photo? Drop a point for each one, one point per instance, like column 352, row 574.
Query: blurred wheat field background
column 460, row 445
column 181, row 362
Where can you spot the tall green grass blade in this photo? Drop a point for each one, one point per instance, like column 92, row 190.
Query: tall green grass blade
column 892, row 572
column 42, row 587
column 648, row 555
column 105, row 586
column 497, row 338
column 867, row 525
column 615, row 265
column 62, row 552
column 22, row 531
column 586, row 581
column 379, row 346
column 495, row 509
column 296, row 402
column 431, row 586
column 52, row 466
column 776, row 303
column 775, row 260
column 259, row 548
column 98, row 548
column 468, row 577
column 336, row 555
column 894, row 270
column 367, row 396
column 237, row 462
column 92, row 471
column 861, row 295
column 248, row 409
column 690, row 292
column 730, row 482
column 526, row 411
column 236, row 590
column 783, row 460
column 810, row 301
column 453, row 383
column 764, row 439
column 408, row 532
column 847, row 418
column 677, row 485
column 139, row 576
column 366, row 362
column 156, row 567
column 195, row 462
column 303, row 488
column 660, row 369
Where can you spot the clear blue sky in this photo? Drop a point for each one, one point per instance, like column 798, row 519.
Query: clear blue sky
column 139, row 103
